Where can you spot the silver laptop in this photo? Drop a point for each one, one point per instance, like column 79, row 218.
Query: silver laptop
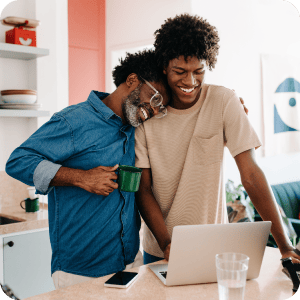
column 194, row 247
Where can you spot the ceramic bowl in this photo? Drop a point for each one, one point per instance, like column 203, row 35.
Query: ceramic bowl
column 19, row 99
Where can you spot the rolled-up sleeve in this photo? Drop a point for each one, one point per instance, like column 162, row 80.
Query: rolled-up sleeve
column 43, row 174
column 37, row 160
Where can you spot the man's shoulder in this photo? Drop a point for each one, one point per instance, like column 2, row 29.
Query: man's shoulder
column 219, row 90
column 72, row 116
column 71, row 109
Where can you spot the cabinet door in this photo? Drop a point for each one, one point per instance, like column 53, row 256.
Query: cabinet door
column 27, row 264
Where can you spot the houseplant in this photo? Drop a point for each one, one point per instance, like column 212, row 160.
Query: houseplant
column 237, row 199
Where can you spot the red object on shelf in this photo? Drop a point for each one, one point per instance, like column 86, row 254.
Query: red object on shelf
column 20, row 36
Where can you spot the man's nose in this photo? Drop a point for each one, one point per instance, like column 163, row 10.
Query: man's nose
column 189, row 80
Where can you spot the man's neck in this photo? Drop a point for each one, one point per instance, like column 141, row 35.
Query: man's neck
column 114, row 102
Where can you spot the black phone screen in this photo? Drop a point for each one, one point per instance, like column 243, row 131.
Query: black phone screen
column 121, row 278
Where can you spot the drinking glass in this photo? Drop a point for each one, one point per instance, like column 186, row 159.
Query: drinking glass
column 231, row 274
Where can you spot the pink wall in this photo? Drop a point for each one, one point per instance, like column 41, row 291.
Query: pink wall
column 86, row 48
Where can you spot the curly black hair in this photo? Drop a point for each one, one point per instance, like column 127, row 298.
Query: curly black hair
column 186, row 35
column 142, row 63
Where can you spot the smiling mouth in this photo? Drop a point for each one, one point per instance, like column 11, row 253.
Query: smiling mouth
column 188, row 91
column 144, row 113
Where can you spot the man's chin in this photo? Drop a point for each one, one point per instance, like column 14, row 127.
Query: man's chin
column 135, row 124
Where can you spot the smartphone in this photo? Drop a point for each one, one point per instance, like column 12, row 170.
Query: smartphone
column 121, row 280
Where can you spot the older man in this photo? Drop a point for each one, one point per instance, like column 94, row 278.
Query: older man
column 94, row 227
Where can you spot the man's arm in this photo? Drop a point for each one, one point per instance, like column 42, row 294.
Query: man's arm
column 260, row 193
column 98, row 180
column 151, row 212
column 36, row 162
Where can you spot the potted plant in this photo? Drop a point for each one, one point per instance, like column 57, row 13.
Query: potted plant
column 238, row 200
column 241, row 209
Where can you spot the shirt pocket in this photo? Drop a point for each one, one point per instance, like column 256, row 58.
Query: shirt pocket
column 207, row 151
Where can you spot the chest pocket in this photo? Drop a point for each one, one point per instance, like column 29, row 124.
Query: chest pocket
column 207, row 151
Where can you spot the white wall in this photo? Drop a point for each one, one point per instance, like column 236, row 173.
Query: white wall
column 48, row 75
column 247, row 29
column 131, row 24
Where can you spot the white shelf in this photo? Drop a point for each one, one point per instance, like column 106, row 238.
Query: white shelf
column 21, row 52
column 23, row 113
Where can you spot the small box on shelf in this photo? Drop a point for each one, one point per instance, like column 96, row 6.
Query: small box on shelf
column 21, row 36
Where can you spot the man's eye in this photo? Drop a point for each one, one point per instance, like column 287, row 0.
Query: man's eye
column 179, row 73
column 200, row 72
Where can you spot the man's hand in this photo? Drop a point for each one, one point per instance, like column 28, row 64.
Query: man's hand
column 245, row 108
column 99, row 180
column 243, row 103
column 294, row 254
column 167, row 252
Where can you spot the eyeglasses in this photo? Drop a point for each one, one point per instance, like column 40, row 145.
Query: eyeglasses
column 156, row 100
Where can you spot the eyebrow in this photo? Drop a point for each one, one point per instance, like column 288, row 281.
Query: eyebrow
column 183, row 69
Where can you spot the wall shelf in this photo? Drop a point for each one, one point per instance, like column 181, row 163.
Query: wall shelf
column 21, row 52
column 23, row 113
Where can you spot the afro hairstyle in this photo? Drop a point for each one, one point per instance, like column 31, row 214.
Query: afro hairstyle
column 189, row 36
column 142, row 63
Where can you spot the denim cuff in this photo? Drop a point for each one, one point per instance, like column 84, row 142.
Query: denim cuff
column 43, row 174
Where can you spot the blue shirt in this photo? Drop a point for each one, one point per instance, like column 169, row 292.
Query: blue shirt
column 91, row 235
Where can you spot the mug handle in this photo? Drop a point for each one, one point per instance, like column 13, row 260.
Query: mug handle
column 21, row 204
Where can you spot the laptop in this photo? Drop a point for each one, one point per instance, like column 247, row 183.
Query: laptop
column 194, row 247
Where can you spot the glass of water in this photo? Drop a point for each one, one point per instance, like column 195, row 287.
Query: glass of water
column 231, row 273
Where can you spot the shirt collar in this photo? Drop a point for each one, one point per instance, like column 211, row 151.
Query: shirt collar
column 95, row 98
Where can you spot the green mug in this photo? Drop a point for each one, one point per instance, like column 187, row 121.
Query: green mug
column 129, row 178
column 31, row 205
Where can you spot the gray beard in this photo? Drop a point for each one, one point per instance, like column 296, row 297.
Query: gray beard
column 130, row 107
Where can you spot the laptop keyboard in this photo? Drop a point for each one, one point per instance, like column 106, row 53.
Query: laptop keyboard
column 164, row 274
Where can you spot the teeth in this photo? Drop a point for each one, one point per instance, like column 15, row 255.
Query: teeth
column 144, row 113
column 187, row 90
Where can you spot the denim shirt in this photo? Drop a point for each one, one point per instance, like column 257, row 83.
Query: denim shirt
column 91, row 235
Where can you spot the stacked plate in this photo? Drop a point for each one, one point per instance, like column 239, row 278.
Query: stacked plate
column 19, row 99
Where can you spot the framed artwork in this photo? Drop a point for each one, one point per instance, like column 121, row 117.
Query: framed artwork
column 281, row 104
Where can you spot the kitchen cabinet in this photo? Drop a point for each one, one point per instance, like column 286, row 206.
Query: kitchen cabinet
column 26, row 262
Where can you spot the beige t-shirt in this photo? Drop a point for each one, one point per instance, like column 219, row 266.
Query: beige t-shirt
column 185, row 153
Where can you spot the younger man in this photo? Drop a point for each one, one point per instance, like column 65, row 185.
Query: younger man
column 182, row 154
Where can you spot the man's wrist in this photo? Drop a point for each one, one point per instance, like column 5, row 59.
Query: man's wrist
column 79, row 178
column 285, row 248
column 165, row 244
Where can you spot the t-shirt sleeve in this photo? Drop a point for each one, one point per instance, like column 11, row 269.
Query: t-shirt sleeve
column 141, row 149
column 239, row 134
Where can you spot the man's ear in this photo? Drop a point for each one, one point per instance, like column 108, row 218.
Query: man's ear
column 132, row 81
column 165, row 71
